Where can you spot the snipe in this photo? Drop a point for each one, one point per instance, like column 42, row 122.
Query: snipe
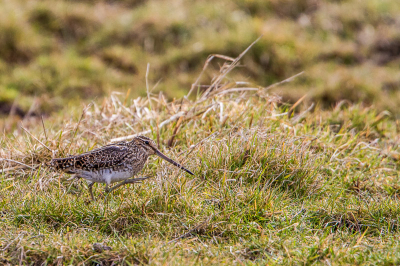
column 112, row 163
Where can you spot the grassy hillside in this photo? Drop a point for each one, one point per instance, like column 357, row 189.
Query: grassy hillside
column 273, row 184
column 54, row 53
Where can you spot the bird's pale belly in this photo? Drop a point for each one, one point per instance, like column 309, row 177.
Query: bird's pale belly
column 106, row 175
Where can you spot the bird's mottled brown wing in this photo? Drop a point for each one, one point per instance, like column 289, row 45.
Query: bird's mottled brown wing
column 110, row 156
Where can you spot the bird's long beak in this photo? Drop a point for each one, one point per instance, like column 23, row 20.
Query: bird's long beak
column 162, row 155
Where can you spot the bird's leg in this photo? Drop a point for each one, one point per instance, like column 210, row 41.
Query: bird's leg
column 90, row 186
column 106, row 191
column 127, row 181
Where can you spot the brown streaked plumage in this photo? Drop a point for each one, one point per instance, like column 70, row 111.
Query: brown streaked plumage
column 112, row 163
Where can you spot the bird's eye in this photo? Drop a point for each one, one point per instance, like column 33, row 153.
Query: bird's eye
column 147, row 142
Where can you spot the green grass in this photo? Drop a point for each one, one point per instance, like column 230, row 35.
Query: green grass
column 272, row 185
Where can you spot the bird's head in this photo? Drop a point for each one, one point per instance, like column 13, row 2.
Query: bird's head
column 146, row 143
column 151, row 149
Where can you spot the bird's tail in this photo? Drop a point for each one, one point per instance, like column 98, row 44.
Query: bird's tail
column 54, row 164
column 48, row 164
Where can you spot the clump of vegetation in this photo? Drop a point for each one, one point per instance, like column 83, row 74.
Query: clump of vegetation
column 273, row 183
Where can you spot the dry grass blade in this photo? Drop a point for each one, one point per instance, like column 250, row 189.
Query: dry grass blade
column 380, row 117
column 31, row 109
column 225, row 71
column 162, row 124
column 284, row 81
column 302, row 115
column 237, row 90
column 147, row 86
column 77, row 125
column 36, row 139
column 192, row 147
column 13, row 161
column 178, row 124
column 209, row 59
column 44, row 128
column 295, row 105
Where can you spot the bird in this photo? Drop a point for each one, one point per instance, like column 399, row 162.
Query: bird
column 112, row 163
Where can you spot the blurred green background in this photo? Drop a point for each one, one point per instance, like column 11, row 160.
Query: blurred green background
column 58, row 53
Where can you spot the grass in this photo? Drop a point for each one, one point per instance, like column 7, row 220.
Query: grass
column 274, row 183
column 56, row 54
